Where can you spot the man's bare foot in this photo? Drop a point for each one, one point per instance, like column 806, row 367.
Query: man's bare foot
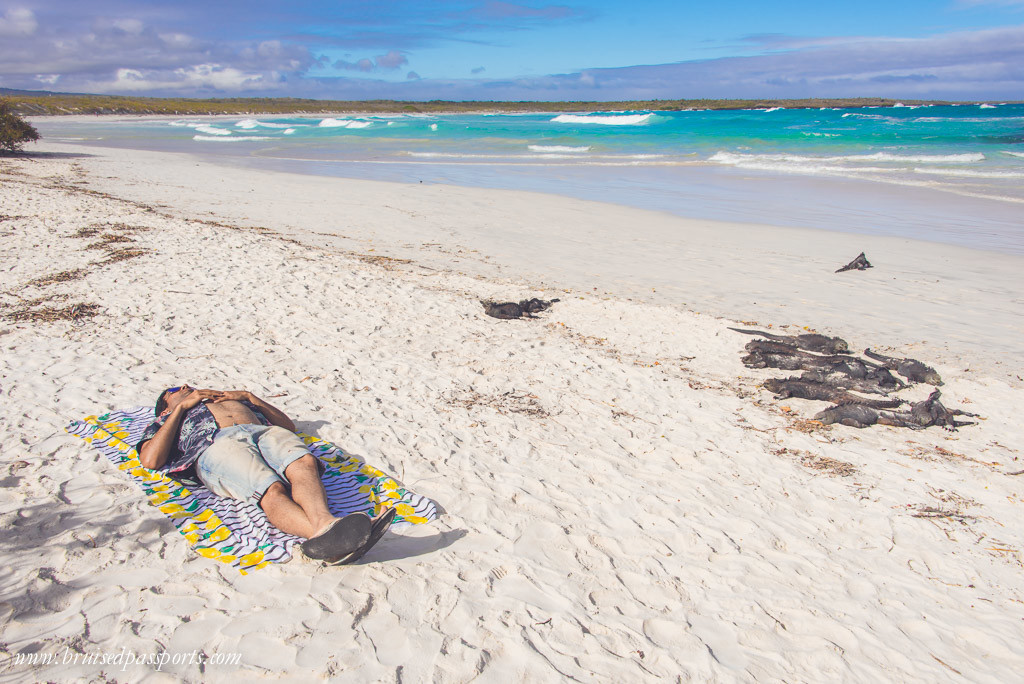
column 323, row 528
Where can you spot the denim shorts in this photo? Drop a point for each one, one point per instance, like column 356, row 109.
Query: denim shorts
column 245, row 460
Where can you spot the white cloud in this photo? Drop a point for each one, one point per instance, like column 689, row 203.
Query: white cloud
column 392, row 60
column 177, row 40
column 387, row 62
column 365, row 65
column 199, row 77
column 18, row 21
column 132, row 26
column 987, row 64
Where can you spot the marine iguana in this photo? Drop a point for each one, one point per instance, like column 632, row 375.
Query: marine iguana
column 854, row 415
column 805, row 389
column 911, row 369
column 876, row 380
column 921, row 415
column 932, row 412
column 860, row 263
column 810, row 342
column 770, row 347
column 801, row 360
column 510, row 310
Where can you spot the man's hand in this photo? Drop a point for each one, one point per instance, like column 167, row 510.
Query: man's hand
column 233, row 395
column 196, row 397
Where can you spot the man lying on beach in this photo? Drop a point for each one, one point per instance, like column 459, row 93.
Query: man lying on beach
column 241, row 447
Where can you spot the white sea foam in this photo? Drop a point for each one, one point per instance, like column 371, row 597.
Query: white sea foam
column 871, row 117
column 965, row 158
column 960, row 119
column 986, row 106
column 1014, row 154
column 433, row 127
column 344, row 123
column 254, row 123
column 605, row 159
column 506, row 157
column 764, row 163
column 770, row 109
column 237, row 138
column 733, row 158
column 971, row 173
column 201, row 127
column 606, row 120
column 451, row 155
column 289, row 131
column 558, row 148
column 211, row 130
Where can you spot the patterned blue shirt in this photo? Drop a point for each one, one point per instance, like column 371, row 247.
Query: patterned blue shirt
column 197, row 431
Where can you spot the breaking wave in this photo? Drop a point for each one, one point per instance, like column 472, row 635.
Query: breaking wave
column 253, row 123
column 558, row 148
column 605, row 119
column 343, row 123
column 210, row 130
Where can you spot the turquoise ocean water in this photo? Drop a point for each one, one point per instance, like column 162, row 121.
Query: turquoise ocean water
column 951, row 174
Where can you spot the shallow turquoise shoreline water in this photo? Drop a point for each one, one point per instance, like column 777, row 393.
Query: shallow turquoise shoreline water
column 951, row 174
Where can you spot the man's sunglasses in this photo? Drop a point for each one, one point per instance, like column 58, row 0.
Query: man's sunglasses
column 171, row 390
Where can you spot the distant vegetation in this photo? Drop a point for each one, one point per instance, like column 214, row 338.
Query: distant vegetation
column 14, row 131
column 40, row 103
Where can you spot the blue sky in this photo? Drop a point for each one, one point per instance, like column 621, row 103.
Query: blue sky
column 519, row 50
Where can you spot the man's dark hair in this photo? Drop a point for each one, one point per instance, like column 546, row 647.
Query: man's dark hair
column 161, row 402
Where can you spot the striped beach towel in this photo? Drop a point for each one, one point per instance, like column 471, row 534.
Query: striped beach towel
column 237, row 533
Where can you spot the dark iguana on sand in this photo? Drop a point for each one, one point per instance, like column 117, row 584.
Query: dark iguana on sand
column 858, row 264
column 805, row 389
column 921, row 415
column 770, row 347
column 932, row 412
column 822, row 344
column 801, row 360
column 842, row 372
column 873, row 381
column 911, row 369
column 510, row 310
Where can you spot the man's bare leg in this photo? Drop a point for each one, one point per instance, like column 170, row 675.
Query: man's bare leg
column 308, row 492
column 286, row 515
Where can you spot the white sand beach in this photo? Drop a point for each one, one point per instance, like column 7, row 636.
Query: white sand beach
column 623, row 501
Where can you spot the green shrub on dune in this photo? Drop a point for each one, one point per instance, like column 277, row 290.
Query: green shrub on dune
column 14, row 131
column 42, row 103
